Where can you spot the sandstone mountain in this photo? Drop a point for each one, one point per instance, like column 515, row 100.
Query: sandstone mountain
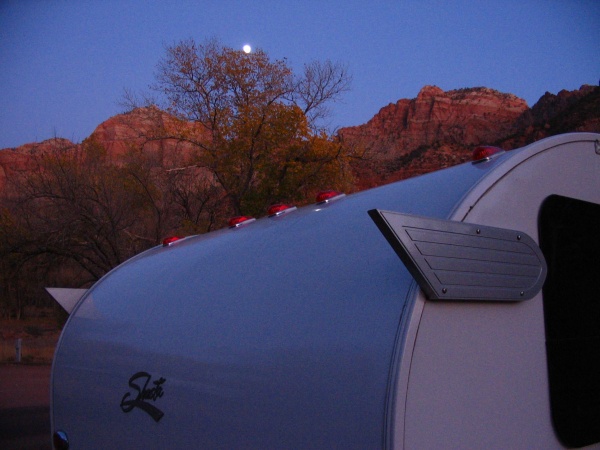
column 143, row 128
column 465, row 116
column 439, row 129
column 410, row 137
column 118, row 135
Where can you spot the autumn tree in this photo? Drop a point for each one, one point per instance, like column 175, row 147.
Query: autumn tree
column 79, row 208
column 178, row 198
column 257, row 128
column 76, row 213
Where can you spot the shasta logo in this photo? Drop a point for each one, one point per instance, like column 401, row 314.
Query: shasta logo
column 142, row 392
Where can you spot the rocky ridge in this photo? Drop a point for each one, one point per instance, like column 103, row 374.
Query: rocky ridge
column 440, row 128
column 464, row 116
column 412, row 136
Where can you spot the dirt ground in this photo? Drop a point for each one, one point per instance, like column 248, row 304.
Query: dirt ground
column 25, row 406
column 37, row 335
column 25, row 386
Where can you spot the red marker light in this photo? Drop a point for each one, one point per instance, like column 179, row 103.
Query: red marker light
column 485, row 152
column 240, row 220
column 325, row 196
column 168, row 241
column 279, row 208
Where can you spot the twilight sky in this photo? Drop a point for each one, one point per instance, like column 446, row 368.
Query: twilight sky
column 64, row 64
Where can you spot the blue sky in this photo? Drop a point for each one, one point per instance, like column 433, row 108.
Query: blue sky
column 64, row 64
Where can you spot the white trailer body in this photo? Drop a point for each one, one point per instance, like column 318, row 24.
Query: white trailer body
column 306, row 330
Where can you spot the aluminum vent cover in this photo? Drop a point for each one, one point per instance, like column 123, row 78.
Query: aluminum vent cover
column 462, row 261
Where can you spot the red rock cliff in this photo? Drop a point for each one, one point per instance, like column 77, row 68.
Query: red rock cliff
column 412, row 136
column 464, row 116
column 140, row 128
column 439, row 129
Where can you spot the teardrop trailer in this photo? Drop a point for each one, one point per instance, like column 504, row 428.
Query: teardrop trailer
column 458, row 309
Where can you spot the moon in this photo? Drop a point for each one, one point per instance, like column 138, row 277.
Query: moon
column 247, row 48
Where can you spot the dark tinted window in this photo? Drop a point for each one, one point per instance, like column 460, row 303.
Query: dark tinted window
column 570, row 241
